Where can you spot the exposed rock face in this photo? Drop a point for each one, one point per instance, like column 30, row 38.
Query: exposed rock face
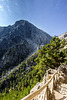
column 18, row 41
column 63, row 36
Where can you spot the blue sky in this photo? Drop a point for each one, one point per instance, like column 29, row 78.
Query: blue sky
column 48, row 15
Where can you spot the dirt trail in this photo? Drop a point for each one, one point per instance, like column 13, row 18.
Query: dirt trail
column 61, row 92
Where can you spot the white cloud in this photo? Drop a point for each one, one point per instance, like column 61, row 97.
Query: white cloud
column 1, row 8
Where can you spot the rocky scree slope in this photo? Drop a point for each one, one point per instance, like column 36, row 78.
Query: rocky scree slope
column 18, row 41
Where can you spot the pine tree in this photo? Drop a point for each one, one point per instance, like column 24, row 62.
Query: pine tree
column 50, row 55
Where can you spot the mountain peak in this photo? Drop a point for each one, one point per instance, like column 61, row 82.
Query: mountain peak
column 20, row 22
column 19, row 40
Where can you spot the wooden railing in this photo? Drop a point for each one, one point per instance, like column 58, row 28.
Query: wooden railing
column 45, row 91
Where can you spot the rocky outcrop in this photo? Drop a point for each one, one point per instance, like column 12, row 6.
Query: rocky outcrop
column 63, row 36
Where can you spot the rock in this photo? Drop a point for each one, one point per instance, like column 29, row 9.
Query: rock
column 63, row 36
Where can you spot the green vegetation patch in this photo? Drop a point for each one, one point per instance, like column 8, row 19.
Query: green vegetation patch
column 28, row 73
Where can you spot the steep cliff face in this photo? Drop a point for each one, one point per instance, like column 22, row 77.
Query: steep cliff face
column 18, row 41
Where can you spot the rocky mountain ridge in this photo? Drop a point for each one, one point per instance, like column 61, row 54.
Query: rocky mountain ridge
column 18, row 41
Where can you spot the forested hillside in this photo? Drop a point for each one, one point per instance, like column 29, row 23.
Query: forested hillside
column 19, row 83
